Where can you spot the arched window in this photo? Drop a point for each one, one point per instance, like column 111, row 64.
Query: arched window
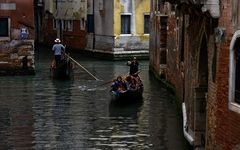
column 234, row 73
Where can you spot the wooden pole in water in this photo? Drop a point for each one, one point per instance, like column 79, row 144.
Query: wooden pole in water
column 82, row 67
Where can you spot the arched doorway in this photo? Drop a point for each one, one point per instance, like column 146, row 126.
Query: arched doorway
column 201, row 95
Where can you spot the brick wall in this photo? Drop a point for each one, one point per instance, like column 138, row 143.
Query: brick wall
column 76, row 39
column 174, row 67
column 223, row 124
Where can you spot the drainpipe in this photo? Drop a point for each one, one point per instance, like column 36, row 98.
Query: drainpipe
column 186, row 134
column 133, row 19
column 93, row 47
column 213, row 7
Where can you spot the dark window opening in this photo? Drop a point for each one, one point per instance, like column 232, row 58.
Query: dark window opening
column 4, row 27
column 214, row 64
column 203, row 64
column 163, row 36
column 125, row 24
column 163, row 58
column 146, row 24
column 173, row 7
column 182, row 40
column 237, row 75
column 90, row 23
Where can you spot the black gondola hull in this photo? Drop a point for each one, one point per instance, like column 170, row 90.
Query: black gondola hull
column 127, row 96
column 63, row 71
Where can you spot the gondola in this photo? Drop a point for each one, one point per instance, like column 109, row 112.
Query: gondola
column 129, row 95
column 64, row 70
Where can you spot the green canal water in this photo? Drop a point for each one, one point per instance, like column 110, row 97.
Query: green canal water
column 37, row 112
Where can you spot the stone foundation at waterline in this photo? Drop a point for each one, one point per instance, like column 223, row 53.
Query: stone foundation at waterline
column 17, row 57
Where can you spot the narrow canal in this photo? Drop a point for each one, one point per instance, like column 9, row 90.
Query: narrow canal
column 37, row 112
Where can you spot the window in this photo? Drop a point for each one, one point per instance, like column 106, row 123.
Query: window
column 90, row 23
column 4, row 27
column 159, row 5
column 125, row 24
column 101, row 4
column 237, row 74
column 146, row 24
column 234, row 73
column 235, row 11
column 182, row 39
column 55, row 24
column 69, row 25
column 64, row 25
column 82, row 24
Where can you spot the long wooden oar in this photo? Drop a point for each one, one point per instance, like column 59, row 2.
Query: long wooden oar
column 82, row 67
column 105, row 83
column 113, row 80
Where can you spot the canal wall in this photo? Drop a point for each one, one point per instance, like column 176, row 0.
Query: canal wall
column 17, row 57
column 118, row 55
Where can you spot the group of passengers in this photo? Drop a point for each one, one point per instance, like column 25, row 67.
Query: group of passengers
column 132, row 81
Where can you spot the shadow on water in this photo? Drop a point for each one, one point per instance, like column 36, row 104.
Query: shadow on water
column 124, row 109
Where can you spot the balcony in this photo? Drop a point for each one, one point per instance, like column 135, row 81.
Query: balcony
column 211, row 6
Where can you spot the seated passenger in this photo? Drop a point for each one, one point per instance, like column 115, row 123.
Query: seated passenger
column 119, row 85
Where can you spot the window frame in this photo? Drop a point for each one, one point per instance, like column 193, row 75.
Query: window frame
column 144, row 15
column 233, row 105
column 82, row 24
column 9, row 29
column 90, row 23
column 55, row 24
column 130, row 25
column 68, row 25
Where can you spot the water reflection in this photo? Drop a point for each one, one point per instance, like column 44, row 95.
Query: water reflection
column 61, row 117
column 16, row 115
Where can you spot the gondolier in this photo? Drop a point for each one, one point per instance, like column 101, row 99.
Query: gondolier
column 61, row 68
column 134, row 67
column 58, row 48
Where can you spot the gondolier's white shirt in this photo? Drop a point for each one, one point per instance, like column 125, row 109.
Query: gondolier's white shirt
column 57, row 48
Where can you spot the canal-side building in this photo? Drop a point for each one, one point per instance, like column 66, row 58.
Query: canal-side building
column 195, row 46
column 65, row 19
column 118, row 28
column 17, row 33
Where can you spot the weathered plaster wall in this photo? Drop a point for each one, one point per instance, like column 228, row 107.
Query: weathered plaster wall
column 67, row 10
column 102, row 38
column 136, row 40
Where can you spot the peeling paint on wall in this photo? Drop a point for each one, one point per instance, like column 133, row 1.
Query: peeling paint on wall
column 67, row 9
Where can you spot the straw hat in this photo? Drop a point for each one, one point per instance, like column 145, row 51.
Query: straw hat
column 57, row 40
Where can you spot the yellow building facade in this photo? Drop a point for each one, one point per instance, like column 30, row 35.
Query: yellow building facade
column 119, row 27
column 131, row 24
